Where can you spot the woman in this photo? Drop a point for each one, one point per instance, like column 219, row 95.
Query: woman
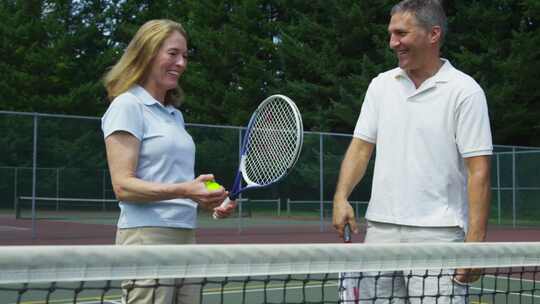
column 150, row 155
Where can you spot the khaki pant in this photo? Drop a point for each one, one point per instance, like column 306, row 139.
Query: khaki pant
column 132, row 294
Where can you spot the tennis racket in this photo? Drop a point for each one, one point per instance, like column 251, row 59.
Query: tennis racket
column 349, row 282
column 271, row 146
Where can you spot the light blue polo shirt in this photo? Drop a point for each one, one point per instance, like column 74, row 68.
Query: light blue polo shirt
column 167, row 155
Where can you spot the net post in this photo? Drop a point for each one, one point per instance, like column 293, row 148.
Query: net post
column 240, row 220
column 34, row 173
column 17, row 208
column 498, row 189
column 57, row 189
column 321, row 182
column 513, row 187
column 240, row 214
column 15, row 195
column 288, row 206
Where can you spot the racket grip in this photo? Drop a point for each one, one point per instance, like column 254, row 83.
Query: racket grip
column 225, row 203
column 347, row 233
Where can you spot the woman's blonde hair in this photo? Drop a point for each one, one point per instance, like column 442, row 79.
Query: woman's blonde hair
column 135, row 62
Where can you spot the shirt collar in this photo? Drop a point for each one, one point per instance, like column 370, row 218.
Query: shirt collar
column 147, row 99
column 442, row 75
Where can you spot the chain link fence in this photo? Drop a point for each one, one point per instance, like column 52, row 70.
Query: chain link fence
column 57, row 164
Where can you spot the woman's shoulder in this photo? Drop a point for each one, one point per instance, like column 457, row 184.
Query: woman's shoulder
column 124, row 114
column 126, row 99
column 125, row 104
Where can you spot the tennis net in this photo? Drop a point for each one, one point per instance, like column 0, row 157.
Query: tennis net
column 272, row 273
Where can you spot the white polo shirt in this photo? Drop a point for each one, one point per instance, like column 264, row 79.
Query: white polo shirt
column 166, row 155
column 421, row 137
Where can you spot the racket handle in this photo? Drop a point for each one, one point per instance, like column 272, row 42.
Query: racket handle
column 347, row 233
column 225, row 203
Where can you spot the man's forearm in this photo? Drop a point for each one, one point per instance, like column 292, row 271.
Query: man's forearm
column 353, row 168
column 479, row 194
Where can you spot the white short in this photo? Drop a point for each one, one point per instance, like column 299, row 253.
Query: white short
column 419, row 286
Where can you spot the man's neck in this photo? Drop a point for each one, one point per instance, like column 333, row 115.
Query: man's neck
column 418, row 76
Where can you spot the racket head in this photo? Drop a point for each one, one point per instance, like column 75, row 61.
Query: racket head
column 272, row 143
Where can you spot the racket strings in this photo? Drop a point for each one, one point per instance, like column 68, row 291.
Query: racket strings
column 266, row 163
column 273, row 142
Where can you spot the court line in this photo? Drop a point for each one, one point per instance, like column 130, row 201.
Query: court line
column 10, row 228
column 504, row 292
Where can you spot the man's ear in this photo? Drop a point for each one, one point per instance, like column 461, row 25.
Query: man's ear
column 435, row 35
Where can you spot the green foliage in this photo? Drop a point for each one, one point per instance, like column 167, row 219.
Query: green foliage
column 495, row 42
column 53, row 54
column 322, row 54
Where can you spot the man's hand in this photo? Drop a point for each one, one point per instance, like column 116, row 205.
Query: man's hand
column 343, row 214
column 352, row 170
column 467, row 276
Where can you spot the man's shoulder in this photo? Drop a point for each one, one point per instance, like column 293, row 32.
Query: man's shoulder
column 385, row 78
column 463, row 80
column 389, row 74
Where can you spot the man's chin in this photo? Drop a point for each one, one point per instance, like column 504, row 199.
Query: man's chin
column 402, row 65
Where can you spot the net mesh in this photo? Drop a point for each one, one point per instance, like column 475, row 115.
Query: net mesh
column 273, row 142
column 309, row 273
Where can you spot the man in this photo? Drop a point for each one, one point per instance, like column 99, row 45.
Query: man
column 430, row 124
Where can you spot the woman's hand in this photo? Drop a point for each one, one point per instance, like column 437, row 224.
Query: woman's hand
column 223, row 212
column 207, row 199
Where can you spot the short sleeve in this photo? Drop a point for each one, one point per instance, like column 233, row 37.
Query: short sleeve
column 124, row 114
column 473, row 132
column 366, row 125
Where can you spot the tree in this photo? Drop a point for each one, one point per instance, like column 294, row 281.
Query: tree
column 53, row 55
column 495, row 42
column 322, row 54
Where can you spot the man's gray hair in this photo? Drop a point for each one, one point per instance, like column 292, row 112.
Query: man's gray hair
column 428, row 13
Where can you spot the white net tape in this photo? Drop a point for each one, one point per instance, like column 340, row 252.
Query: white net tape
column 73, row 263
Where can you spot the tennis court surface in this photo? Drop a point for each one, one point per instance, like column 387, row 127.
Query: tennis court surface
column 269, row 273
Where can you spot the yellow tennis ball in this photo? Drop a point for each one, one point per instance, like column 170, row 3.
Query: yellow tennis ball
column 212, row 185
